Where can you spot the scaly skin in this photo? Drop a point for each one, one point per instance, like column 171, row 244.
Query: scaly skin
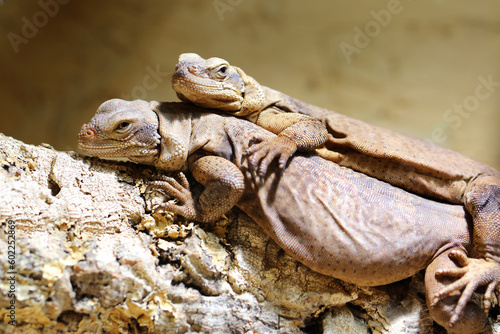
column 409, row 163
column 296, row 132
column 334, row 220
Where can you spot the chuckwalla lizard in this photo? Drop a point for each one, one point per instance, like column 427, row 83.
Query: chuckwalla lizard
column 410, row 163
column 333, row 219
column 406, row 162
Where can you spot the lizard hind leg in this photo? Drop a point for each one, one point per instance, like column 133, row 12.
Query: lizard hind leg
column 472, row 319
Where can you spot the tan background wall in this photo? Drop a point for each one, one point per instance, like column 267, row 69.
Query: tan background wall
column 421, row 60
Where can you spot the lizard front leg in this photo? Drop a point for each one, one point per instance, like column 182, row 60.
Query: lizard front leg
column 224, row 185
column 482, row 201
column 294, row 132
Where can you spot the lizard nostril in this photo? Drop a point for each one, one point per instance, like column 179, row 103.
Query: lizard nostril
column 87, row 133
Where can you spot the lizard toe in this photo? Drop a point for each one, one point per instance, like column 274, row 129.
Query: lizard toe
column 473, row 274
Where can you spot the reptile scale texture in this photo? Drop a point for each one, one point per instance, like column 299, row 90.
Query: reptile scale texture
column 335, row 218
column 409, row 163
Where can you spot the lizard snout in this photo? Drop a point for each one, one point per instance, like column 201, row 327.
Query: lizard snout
column 86, row 133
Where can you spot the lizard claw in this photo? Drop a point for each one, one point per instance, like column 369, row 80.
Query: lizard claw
column 471, row 274
column 264, row 152
column 160, row 184
column 177, row 187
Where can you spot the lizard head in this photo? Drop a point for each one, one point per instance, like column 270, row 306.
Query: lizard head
column 213, row 83
column 122, row 129
column 210, row 83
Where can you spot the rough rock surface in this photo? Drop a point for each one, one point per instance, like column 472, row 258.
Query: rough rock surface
column 90, row 257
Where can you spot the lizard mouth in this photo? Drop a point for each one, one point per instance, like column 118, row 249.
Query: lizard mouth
column 196, row 82
column 206, row 92
column 113, row 150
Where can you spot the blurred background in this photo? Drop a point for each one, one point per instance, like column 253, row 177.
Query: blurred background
column 426, row 68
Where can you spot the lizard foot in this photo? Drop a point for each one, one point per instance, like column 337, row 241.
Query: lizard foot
column 177, row 187
column 472, row 274
column 264, row 152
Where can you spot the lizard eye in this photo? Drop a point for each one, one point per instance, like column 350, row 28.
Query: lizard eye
column 221, row 71
column 123, row 127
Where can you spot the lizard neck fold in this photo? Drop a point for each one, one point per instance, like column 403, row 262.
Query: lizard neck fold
column 254, row 97
column 175, row 131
